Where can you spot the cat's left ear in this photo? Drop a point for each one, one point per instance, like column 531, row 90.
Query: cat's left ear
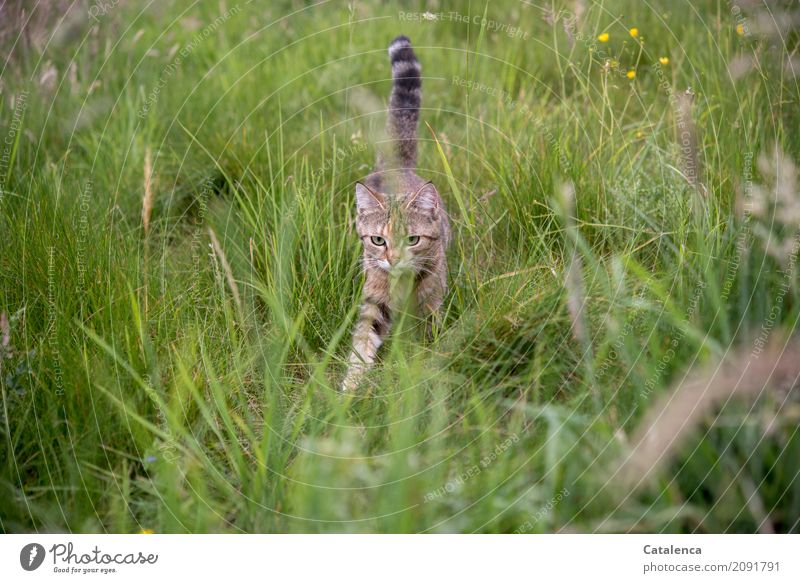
column 426, row 198
column 367, row 199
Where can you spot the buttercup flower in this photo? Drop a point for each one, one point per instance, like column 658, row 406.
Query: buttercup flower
column 634, row 32
column 603, row 38
column 630, row 74
column 146, row 531
column 663, row 60
column 740, row 29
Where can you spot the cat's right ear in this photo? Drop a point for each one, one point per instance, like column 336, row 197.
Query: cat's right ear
column 367, row 199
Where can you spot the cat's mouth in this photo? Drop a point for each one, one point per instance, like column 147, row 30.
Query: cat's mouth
column 398, row 268
column 401, row 268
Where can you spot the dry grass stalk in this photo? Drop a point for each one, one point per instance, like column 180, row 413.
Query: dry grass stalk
column 226, row 267
column 573, row 281
column 687, row 140
column 5, row 338
column 777, row 205
column 673, row 419
column 147, row 198
column 27, row 27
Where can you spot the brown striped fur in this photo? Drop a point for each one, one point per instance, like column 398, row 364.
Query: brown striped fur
column 402, row 224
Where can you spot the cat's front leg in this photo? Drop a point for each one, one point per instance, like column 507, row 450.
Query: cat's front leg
column 374, row 321
column 430, row 296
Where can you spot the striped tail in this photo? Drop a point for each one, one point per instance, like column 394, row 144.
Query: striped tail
column 404, row 103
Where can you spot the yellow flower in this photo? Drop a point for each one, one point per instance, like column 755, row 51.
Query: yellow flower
column 146, row 531
column 639, row 135
column 634, row 32
column 630, row 74
column 603, row 38
column 740, row 29
column 663, row 60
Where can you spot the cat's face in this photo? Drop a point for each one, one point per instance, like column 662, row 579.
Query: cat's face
column 399, row 232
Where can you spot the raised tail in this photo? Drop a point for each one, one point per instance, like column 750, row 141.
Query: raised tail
column 404, row 103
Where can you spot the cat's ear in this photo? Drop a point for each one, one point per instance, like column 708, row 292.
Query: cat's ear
column 367, row 199
column 426, row 198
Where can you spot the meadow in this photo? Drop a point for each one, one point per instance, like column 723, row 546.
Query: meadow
column 179, row 269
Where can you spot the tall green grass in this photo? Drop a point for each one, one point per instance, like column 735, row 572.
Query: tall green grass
column 157, row 380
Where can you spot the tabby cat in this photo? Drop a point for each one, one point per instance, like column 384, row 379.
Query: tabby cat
column 401, row 221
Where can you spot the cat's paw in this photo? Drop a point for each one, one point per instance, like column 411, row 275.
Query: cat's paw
column 351, row 380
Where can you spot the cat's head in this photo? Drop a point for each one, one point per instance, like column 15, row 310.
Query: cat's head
column 400, row 232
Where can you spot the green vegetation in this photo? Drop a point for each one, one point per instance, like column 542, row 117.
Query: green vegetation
column 179, row 269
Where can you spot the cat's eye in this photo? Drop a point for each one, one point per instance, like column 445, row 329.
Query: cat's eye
column 379, row 241
column 413, row 240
